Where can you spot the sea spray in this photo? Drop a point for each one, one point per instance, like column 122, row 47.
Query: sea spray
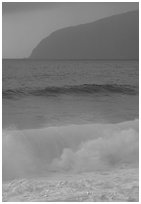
column 101, row 153
column 78, row 148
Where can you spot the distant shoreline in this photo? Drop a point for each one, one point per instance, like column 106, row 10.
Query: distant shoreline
column 29, row 59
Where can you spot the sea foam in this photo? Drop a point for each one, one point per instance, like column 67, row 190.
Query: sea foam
column 75, row 148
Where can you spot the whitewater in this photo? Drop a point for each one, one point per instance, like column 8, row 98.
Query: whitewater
column 61, row 152
column 70, row 131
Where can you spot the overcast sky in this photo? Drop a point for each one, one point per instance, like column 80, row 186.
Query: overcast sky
column 25, row 24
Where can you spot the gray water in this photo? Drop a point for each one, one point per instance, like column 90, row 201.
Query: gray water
column 69, row 116
column 46, row 93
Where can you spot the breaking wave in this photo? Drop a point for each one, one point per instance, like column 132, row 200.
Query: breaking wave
column 75, row 89
column 76, row 148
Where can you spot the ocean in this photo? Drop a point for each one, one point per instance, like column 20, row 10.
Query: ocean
column 46, row 93
column 70, row 118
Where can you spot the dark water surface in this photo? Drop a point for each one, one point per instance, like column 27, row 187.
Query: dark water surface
column 46, row 93
column 69, row 117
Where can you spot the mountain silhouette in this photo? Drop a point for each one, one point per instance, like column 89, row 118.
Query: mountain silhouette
column 114, row 37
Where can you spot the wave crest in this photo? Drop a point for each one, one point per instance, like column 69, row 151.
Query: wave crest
column 76, row 89
column 70, row 148
column 101, row 153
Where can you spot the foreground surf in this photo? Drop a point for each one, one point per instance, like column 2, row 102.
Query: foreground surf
column 73, row 148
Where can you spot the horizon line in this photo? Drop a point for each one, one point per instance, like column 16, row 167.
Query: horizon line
column 69, row 59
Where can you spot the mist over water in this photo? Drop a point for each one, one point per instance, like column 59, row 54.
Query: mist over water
column 73, row 148
column 69, row 117
column 71, row 127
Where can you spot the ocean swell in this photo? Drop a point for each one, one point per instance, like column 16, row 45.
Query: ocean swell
column 75, row 89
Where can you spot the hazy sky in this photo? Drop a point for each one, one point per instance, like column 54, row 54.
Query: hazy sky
column 25, row 24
